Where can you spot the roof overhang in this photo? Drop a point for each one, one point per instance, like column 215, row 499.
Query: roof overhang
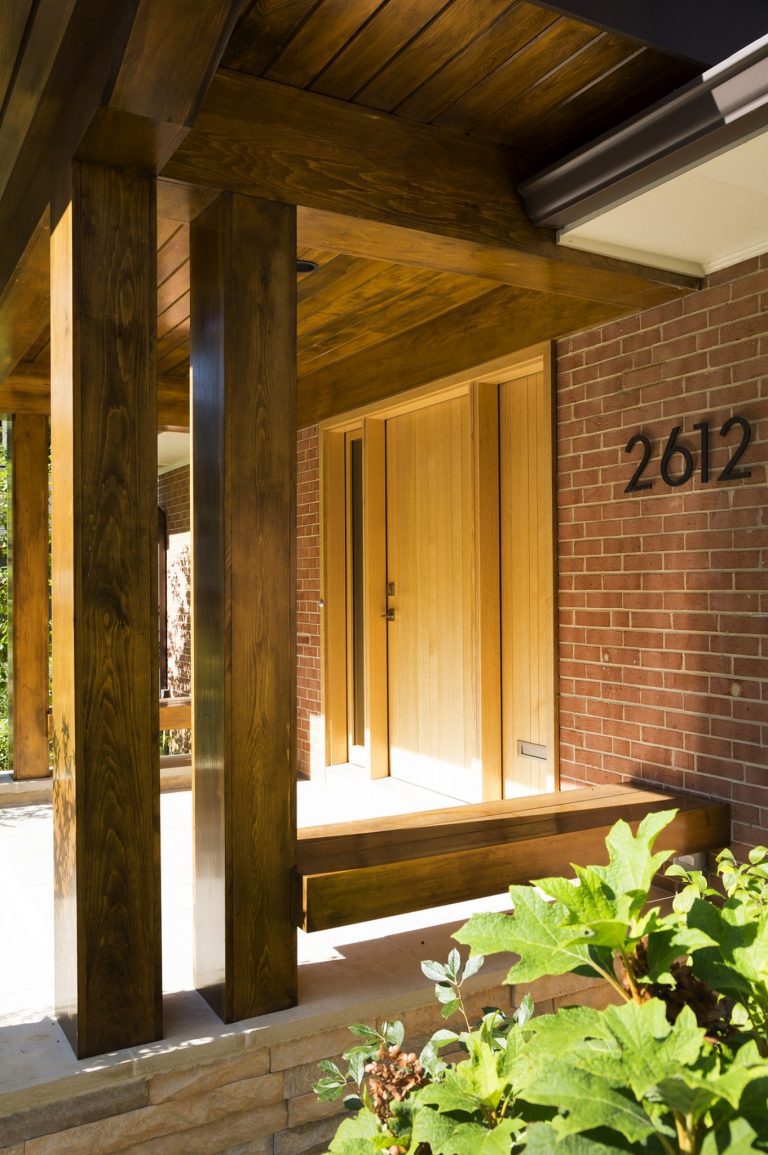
column 726, row 106
column 658, row 188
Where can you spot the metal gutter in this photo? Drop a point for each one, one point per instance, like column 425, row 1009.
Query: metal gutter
column 723, row 107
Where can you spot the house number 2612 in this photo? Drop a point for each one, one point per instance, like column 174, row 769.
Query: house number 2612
column 677, row 460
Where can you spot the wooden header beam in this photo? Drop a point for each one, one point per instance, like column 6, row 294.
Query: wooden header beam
column 494, row 325
column 409, row 188
column 127, row 77
column 490, row 326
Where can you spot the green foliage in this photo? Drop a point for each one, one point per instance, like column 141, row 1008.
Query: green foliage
column 678, row 1066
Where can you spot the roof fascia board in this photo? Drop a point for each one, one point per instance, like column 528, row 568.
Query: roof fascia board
column 726, row 105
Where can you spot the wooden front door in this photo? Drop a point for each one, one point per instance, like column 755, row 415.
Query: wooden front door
column 431, row 600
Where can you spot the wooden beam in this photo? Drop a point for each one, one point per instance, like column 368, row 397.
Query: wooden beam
column 68, row 55
column 25, row 305
column 493, row 325
column 498, row 323
column 407, row 183
column 148, row 62
column 243, row 327
column 29, row 597
column 595, row 278
column 389, row 866
column 104, row 567
column 171, row 54
column 28, row 390
column 175, row 714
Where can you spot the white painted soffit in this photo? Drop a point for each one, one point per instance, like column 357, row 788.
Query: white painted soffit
column 681, row 186
column 707, row 218
column 172, row 451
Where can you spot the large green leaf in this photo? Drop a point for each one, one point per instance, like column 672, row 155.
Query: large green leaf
column 447, row 1136
column 735, row 1137
column 590, row 908
column 536, row 932
column 542, row 1139
column 651, row 1048
column 632, row 863
column 475, row 1085
column 588, row 1101
column 738, row 965
column 360, row 1136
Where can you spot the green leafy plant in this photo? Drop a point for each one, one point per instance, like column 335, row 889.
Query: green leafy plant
column 676, row 1066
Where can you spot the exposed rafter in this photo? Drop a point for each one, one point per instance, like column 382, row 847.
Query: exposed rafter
column 421, row 193
column 130, row 76
column 704, row 31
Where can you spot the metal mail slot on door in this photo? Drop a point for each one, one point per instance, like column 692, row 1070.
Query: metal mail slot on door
column 532, row 750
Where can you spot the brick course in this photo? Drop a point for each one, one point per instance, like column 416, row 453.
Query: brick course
column 663, row 593
column 662, row 629
column 310, row 740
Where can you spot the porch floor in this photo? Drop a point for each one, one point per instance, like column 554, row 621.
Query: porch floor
column 33, row 1050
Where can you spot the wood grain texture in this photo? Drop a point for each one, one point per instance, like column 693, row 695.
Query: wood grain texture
column 381, row 38
column 67, row 61
column 427, row 52
column 616, row 282
column 272, row 141
column 175, row 714
column 432, row 639
column 475, row 61
column 319, row 39
column 469, row 853
column 29, row 597
column 374, row 584
column 104, row 564
column 16, row 13
column 484, row 399
column 528, row 640
column 498, row 323
column 28, row 390
column 171, row 55
column 164, row 70
column 25, row 304
column 334, row 585
column 262, row 31
column 243, row 649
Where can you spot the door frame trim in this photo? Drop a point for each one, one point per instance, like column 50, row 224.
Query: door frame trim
column 333, row 632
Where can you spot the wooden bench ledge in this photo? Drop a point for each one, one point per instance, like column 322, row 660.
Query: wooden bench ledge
column 357, row 871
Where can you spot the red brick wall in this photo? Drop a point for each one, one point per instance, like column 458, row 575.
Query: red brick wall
column 173, row 496
column 663, row 593
column 311, row 736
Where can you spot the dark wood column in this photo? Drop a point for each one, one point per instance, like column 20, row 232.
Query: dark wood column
column 104, row 562
column 243, row 328
column 29, row 596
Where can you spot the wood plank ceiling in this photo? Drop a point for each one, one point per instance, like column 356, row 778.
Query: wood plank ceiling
column 511, row 74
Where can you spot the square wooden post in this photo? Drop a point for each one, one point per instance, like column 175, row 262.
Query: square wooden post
column 29, row 596
column 104, row 569
column 243, row 340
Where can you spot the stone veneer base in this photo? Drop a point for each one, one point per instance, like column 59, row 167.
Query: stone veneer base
column 245, row 1088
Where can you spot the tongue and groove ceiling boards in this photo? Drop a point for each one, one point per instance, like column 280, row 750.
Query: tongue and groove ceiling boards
column 401, row 129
